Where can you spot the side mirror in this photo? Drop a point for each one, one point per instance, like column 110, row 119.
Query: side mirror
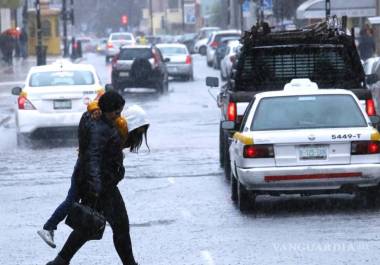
column 16, row 91
column 371, row 79
column 228, row 125
column 108, row 87
column 212, row 81
column 375, row 120
column 166, row 60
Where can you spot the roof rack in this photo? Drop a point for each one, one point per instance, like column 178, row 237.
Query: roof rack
column 331, row 28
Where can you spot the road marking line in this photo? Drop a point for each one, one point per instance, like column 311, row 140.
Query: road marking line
column 206, row 255
column 171, row 180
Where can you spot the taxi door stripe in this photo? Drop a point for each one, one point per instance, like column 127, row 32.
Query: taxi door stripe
column 313, row 176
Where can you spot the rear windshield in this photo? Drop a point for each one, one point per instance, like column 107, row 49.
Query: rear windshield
column 270, row 68
column 64, row 78
column 307, row 112
column 121, row 37
column 173, row 50
column 135, row 53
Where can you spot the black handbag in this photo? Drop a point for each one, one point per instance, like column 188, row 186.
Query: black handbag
column 86, row 220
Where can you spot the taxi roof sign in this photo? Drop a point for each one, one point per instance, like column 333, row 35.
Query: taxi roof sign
column 301, row 83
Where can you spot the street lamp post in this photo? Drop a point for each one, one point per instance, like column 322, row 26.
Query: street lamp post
column 40, row 49
column 328, row 8
column 64, row 18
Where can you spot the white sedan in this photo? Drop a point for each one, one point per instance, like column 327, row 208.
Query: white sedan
column 180, row 63
column 53, row 99
column 304, row 140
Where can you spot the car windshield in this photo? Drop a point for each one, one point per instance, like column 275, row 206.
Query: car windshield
column 173, row 50
column 135, row 53
column 61, row 78
column 121, row 37
column 307, row 112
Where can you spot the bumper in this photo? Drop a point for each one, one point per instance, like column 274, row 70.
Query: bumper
column 31, row 121
column 180, row 70
column 306, row 178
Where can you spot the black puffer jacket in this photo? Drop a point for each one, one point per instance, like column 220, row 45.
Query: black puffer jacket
column 103, row 158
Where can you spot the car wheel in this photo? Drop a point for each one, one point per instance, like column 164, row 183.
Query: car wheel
column 371, row 197
column 226, row 156
column 245, row 200
column 234, row 187
column 202, row 50
column 221, row 146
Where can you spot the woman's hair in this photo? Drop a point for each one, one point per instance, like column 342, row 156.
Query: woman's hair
column 111, row 101
column 135, row 138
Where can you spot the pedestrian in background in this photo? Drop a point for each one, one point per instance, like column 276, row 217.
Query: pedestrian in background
column 8, row 43
column 103, row 169
column 367, row 44
column 23, row 41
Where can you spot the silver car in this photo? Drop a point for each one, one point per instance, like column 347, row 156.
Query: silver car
column 180, row 63
column 115, row 41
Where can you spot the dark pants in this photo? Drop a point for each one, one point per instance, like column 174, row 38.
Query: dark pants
column 62, row 210
column 112, row 204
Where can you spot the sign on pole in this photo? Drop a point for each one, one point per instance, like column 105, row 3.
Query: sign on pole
column 189, row 13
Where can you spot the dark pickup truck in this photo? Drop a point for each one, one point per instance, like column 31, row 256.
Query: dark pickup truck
column 323, row 53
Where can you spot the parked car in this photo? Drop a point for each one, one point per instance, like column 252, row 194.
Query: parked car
column 53, row 99
column 200, row 45
column 215, row 41
column 116, row 40
column 229, row 59
column 139, row 66
column 304, row 140
column 101, row 45
column 220, row 52
column 189, row 40
column 180, row 63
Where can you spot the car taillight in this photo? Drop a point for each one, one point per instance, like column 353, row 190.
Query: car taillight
column 258, row 151
column 114, row 59
column 214, row 44
column 155, row 59
column 365, row 147
column 109, row 45
column 24, row 103
column 188, row 59
column 370, row 107
column 231, row 111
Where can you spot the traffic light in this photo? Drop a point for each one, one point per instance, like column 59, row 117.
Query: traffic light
column 124, row 19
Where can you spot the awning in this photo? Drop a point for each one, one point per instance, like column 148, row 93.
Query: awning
column 350, row 8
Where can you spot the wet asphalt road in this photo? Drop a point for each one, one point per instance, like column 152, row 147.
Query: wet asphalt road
column 176, row 196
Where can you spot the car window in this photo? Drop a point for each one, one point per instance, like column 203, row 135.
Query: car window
column 173, row 50
column 307, row 112
column 63, row 78
column 121, row 37
column 135, row 53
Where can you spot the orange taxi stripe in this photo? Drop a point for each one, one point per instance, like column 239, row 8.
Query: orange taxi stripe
column 313, row 176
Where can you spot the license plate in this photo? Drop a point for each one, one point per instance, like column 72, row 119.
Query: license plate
column 62, row 104
column 124, row 74
column 312, row 152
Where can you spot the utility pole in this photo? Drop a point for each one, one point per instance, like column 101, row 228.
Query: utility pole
column 183, row 15
column 328, row 9
column 40, row 49
column 151, row 16
column 64, row 18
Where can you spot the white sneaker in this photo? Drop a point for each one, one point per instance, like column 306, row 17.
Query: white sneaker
column 47, row 236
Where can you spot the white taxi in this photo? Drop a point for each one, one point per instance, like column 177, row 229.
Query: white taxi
column 54, row 98
column 304, row 140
